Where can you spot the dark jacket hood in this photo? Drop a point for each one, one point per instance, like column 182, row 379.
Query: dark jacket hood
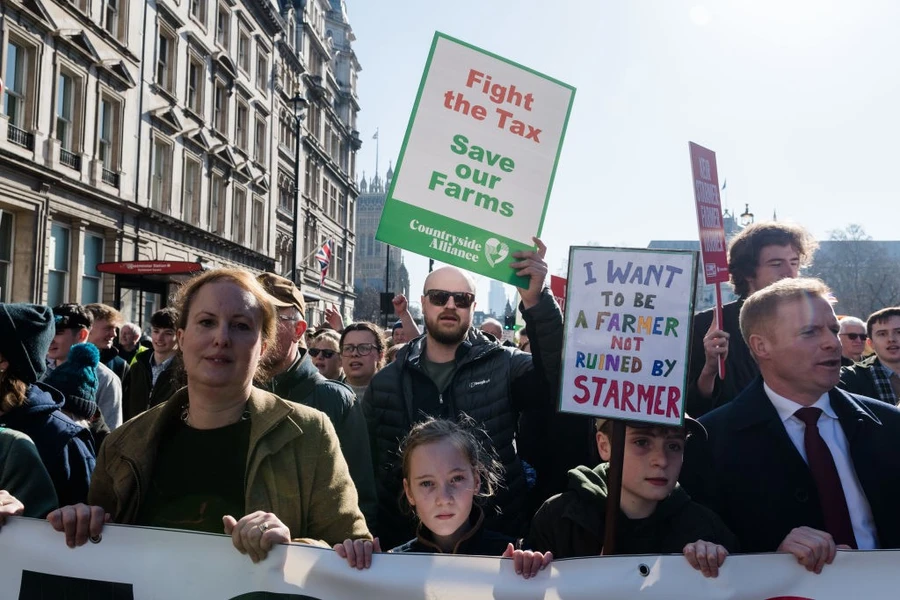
column 42, row 398
column 591, row 486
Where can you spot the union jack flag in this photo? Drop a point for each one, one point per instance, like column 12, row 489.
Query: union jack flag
column 323, row 255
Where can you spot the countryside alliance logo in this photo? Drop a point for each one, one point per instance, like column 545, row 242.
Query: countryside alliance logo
column 495, row 251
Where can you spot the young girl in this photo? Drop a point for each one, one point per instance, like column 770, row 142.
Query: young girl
column 445, row 470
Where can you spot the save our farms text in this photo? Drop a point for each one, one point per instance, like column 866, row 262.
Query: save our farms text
column 475, row 176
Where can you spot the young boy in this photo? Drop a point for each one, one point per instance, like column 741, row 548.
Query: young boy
column 655, row 517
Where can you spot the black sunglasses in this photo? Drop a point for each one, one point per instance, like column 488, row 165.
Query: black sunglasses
column 314, row 352
column 856, row 336
column 441, row 297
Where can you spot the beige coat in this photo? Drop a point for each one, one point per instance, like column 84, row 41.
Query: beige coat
column 295, row 468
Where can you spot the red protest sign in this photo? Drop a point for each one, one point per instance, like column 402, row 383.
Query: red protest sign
column 709, row 214
column 558, row 289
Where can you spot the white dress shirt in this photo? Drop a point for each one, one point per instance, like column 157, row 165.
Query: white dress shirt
column 831, row 431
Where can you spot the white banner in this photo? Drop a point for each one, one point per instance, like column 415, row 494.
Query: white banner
column 145, row 563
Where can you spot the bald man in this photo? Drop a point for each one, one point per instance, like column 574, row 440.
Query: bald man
column 455, row 369
column 493, row 327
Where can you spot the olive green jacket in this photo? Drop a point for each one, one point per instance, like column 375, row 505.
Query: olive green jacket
column 295, row 468
column 23, row 475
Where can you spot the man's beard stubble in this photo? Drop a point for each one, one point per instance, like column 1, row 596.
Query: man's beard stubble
column 443, row 336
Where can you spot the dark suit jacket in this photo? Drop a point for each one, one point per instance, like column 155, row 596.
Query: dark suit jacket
column 750, row 473
column 740, row 368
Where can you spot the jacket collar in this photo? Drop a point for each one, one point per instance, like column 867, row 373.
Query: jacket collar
column 301, row 368
column 474, row 346
column 476, row 519
column 266, row 412
column 753, row 408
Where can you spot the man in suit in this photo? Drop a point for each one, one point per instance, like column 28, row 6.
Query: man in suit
column 794, row 464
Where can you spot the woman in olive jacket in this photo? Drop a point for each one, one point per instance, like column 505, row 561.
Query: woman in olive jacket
column 221, row 455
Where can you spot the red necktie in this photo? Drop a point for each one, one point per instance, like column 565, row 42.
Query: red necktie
column 831, row 492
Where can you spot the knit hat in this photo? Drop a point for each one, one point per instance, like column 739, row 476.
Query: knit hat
column 26, row 331
column 77, row 380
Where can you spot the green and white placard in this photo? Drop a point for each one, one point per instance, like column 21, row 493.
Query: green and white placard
column 477, row 164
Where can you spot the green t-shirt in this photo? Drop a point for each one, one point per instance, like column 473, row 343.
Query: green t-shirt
column 440, row 373
column 198, row 478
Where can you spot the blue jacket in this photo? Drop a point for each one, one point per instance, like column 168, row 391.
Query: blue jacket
column 65, row 447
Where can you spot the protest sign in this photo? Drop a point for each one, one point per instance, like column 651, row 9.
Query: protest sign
column 143, row 564
column 477, row 164
column 713, row 251
column 627, row 333
column 558, row 289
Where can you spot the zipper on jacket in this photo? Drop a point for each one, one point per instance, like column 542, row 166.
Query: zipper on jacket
column 441, row 399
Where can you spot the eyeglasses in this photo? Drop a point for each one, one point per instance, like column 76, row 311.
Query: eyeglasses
column 460, row 299
column 361, row 349
column 314, row 352
column 856, row 336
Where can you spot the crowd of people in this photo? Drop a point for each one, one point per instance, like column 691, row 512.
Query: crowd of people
column 237, row 416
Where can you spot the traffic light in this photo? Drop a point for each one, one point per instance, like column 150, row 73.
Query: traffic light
column 509, row 322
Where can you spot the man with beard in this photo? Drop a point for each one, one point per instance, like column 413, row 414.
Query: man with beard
column 453, row 370
column 295, row 378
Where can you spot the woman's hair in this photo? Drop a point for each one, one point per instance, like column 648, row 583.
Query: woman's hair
column 391, row 353
column 465, row 436
column 13, row 392
column 328, row 335
column 245, row 280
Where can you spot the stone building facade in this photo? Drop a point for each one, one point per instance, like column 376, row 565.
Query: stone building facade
column 156, row 131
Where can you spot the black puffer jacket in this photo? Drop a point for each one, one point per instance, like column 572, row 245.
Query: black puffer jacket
column 491, row 384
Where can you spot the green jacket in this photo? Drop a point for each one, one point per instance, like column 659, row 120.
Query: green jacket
column 573, row 523
column 23, row 475
column 294, row 468
column 302, row 383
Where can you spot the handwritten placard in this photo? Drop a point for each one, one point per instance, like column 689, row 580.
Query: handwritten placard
column 627, row 333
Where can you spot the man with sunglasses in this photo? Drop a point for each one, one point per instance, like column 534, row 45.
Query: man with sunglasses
column 295, row 378
column 879, row 375
column 853, row 338
column 454, row 369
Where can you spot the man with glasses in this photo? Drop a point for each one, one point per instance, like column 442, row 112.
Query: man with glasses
column 454, row 369
column 853, row 338
column 879, row 375
column 295, row 378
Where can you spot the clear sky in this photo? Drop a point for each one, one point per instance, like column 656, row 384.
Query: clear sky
column 800, row 100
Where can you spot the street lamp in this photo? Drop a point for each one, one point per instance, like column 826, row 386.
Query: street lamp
column 746, row 216
column 300, row 105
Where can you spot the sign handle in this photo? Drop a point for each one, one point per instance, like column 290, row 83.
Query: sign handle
column 719, row 325
column 614, row 486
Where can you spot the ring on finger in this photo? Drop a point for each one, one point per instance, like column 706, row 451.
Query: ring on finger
column 263, row 527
